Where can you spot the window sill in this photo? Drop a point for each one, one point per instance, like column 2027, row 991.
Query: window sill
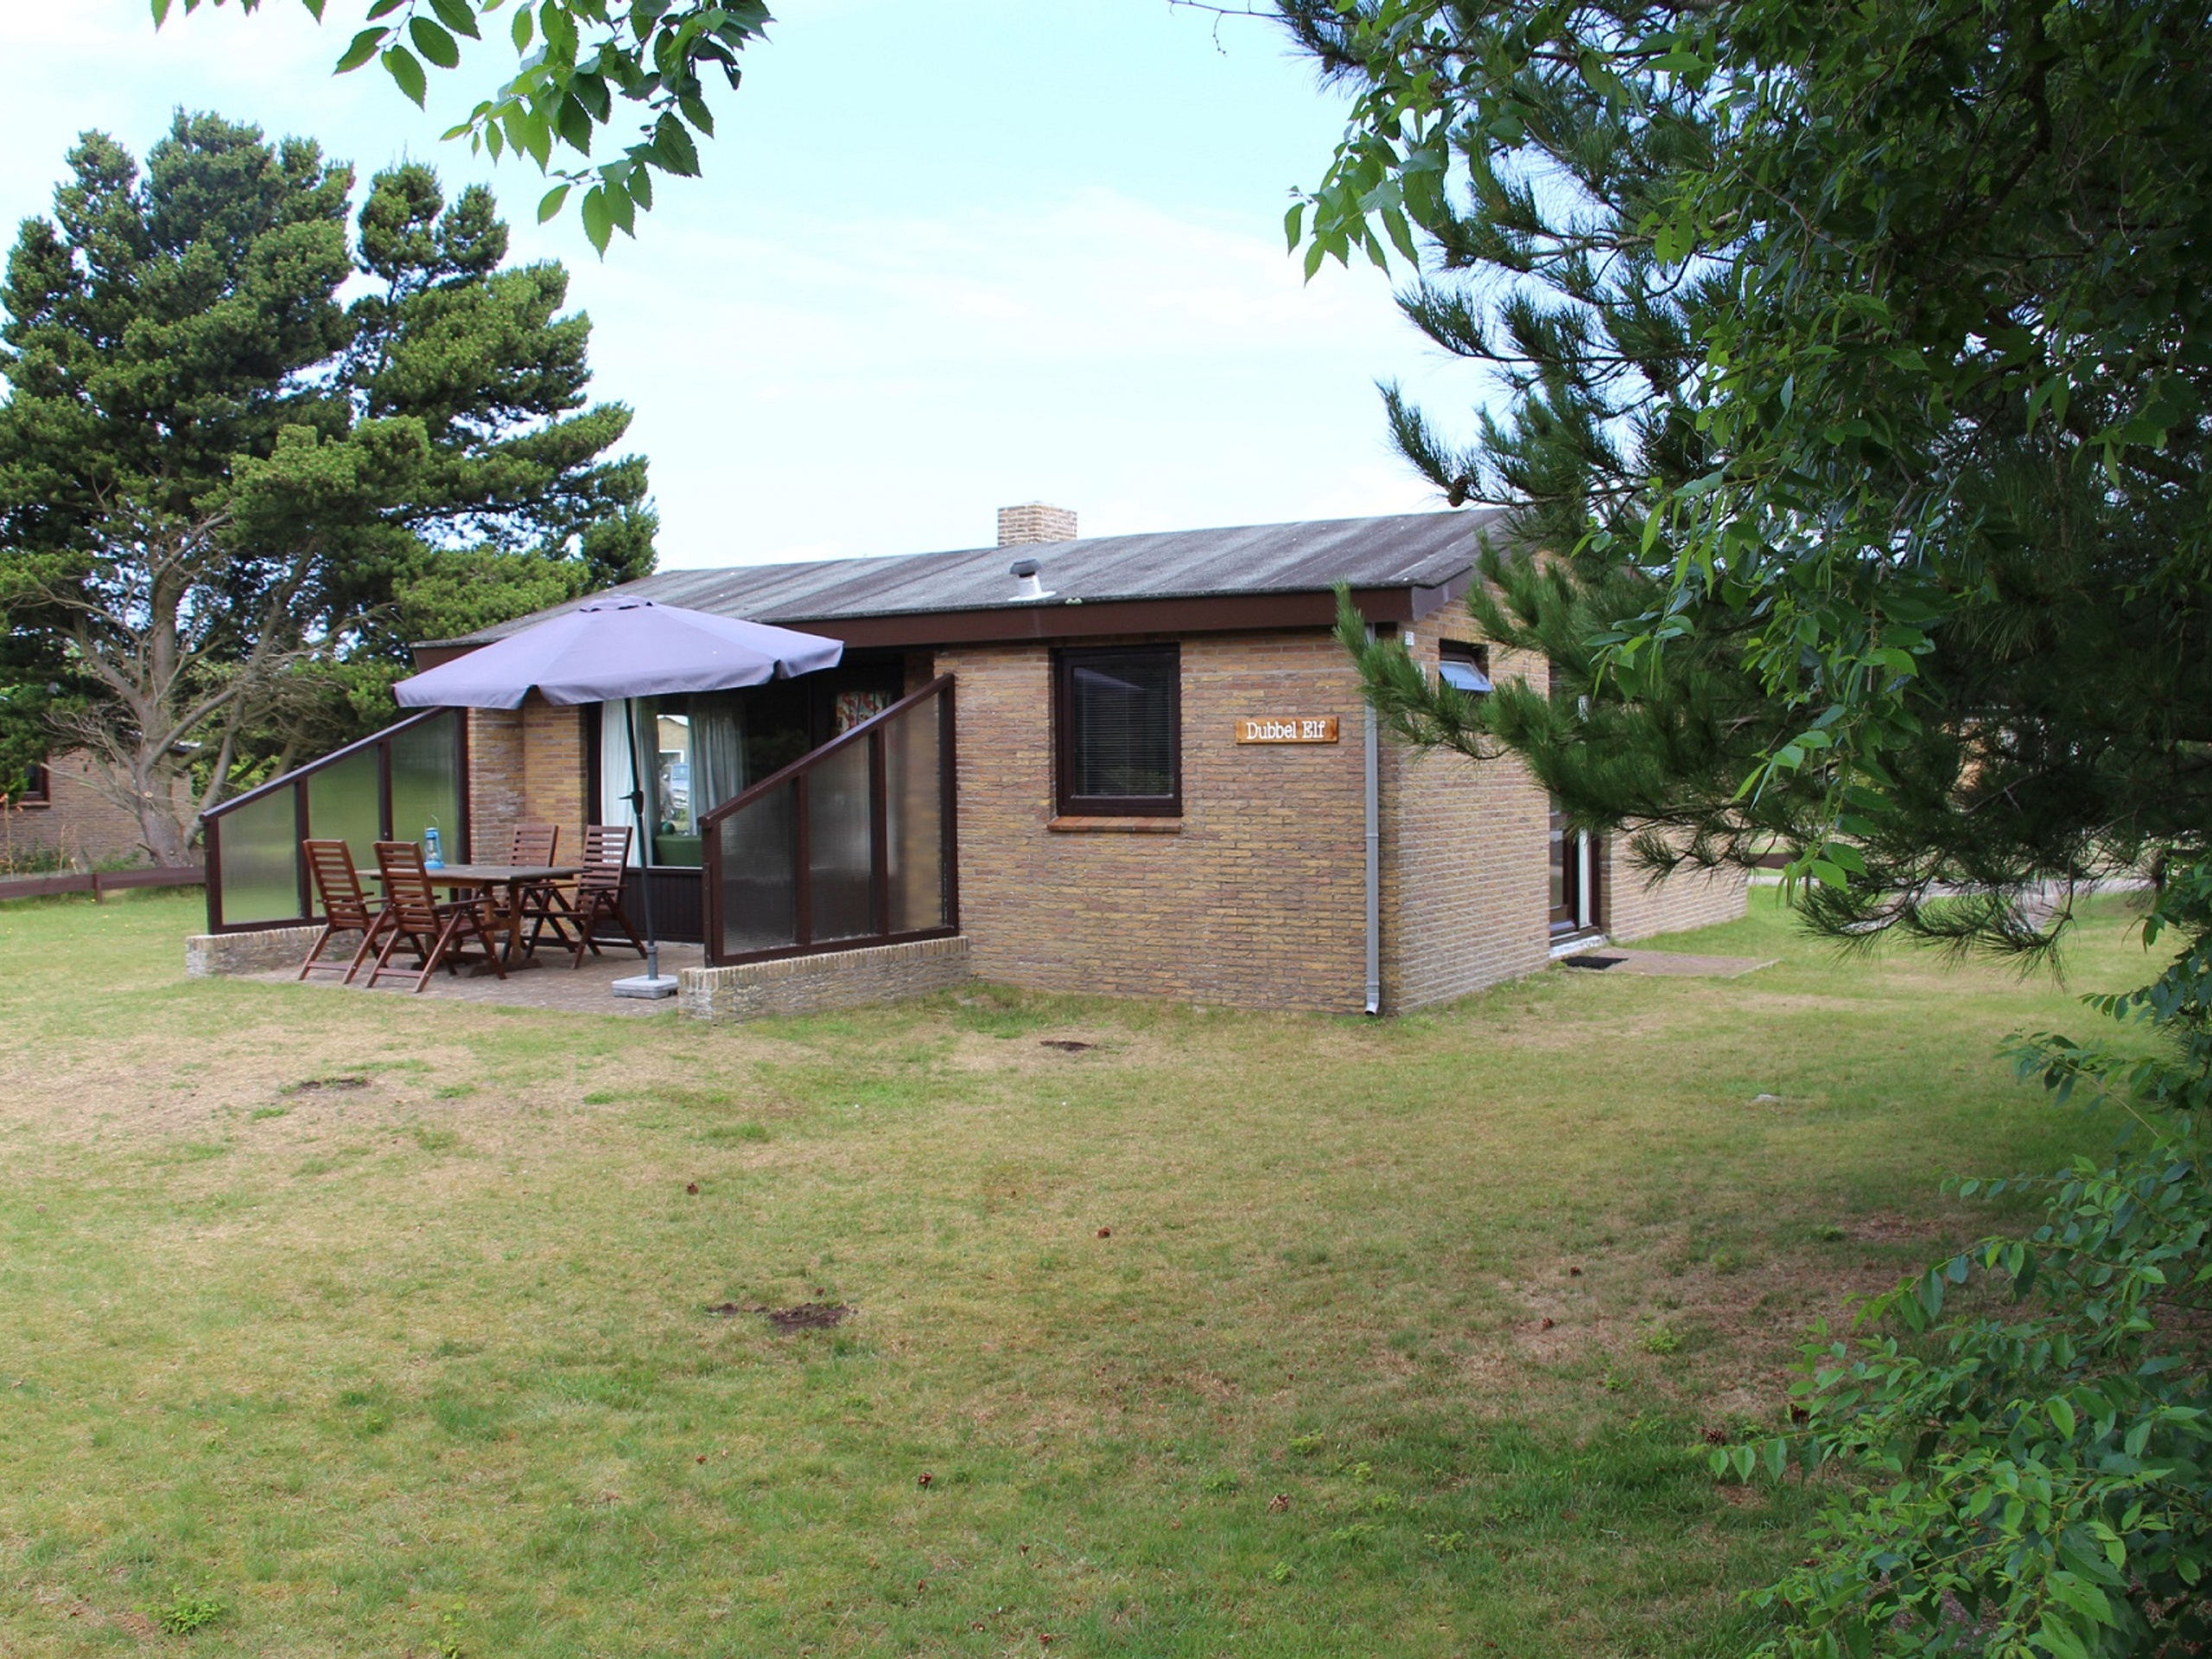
column 1086, row 826
column 29, row 806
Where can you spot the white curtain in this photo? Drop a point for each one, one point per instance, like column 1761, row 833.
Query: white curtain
column 614, row 785
column 717, row 752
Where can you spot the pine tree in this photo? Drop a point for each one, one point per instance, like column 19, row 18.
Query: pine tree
column 1855, row 380
column 226, row 501
column 1850, row 393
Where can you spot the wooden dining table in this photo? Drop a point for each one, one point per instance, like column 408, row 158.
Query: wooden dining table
column 478, row 878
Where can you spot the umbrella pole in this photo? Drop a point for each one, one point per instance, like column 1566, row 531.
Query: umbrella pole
column 645, row 838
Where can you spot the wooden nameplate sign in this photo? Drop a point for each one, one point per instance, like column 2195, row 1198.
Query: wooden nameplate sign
column 1287, row 729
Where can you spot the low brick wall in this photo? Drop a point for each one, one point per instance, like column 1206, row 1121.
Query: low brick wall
column 208, row 954
column 1636, row 908
column 838, row 979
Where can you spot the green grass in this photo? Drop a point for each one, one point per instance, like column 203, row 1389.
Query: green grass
column 1227, row 1335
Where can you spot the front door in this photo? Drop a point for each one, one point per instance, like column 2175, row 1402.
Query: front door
column 1573, row 879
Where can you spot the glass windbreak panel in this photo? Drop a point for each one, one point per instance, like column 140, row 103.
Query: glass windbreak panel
column 914, row 801
column 345, row 802
column 258, row 845
column 840, row 844
column 1122, row 722
column 760, row 893
column 426, row 783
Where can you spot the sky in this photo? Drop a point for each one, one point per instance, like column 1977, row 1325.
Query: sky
column 944, row 259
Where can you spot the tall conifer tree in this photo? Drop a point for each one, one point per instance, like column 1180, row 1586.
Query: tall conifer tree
column 1854, row 388
column 227, row 501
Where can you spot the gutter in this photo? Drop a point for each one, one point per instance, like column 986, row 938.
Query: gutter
column 1374, row 801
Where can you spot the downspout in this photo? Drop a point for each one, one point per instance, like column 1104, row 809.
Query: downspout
column 1374, row 741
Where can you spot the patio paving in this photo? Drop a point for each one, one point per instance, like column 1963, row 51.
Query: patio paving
column 1669, row 963
column 552, row 984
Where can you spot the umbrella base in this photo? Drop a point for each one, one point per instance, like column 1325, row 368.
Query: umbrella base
column 645, row 985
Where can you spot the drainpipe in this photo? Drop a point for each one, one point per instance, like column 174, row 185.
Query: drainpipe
column 1374, row 858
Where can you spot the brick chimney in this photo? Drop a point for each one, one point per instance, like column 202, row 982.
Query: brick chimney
column 1033, row 521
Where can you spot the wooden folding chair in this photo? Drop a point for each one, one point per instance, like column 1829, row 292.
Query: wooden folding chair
column 597, row 894
column 346, row 907
column 534, row 843
column 432, row 929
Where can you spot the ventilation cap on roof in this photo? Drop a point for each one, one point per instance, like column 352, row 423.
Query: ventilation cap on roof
column 1026, row 570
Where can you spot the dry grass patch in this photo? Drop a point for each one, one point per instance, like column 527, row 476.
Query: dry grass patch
column 1223, row 1333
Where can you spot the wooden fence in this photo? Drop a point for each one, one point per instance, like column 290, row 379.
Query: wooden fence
column 98, row 882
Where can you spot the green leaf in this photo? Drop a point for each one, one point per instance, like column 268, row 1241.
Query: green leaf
column 2061, row 1414
column 573, row 122
column 678, row 154
column 399, row 63
column 457, row 16
column 521, row 29
column 434, row 43
column 599, row 218
column 363, row 48
column 552, row 202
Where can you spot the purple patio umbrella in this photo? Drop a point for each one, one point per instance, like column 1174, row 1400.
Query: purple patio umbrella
column 623, row 648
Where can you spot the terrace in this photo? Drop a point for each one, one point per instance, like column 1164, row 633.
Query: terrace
column 850, row 846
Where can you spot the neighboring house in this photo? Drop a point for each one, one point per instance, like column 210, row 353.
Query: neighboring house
column 1160, row 778
column 61, row 818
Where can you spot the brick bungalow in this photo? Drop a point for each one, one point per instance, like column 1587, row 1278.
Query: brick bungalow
column 60, row 817
column 1162, row 779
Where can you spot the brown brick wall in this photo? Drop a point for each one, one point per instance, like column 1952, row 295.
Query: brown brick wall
column 495, row 778
column 837, row 979
column 1465, row 882
column 554, row 784
column 1635, row 909
column 78, row 821
column 525, row 765
column 1256, row 899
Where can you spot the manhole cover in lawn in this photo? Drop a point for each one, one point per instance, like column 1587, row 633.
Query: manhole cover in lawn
column 1596, row 964
column 1067, row 1044
column 807, row 1316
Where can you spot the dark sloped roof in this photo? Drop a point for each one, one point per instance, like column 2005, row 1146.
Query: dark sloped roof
column 1423, row 551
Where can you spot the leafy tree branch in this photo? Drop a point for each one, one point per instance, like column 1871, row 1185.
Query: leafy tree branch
column 581, row 69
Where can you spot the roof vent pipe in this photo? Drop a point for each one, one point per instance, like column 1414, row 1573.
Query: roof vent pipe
column 1032, row 589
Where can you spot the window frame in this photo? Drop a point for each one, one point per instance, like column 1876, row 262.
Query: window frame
column 1068, row 803
column 38, row 787
column 1474, row 655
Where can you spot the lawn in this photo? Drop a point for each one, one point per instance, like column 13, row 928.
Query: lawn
column 366, row 1325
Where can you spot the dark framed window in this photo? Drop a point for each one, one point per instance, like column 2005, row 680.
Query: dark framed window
column 1463, row 665
column 37, row 790
column 1117, row 723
